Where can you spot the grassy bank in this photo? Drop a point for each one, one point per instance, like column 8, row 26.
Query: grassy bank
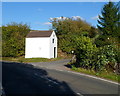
column 61, row 55
column 104, row 74
column 27, row 60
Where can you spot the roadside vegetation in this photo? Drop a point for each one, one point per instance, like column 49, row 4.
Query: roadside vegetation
column 13, row 44
column 22, row 59
column 103, row 74
column 13, row 39
column 28, row 60
column 97, row 50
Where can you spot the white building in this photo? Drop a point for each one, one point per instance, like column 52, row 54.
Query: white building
column 41, row 44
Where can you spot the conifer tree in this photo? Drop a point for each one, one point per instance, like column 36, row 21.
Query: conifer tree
column 108, row 25
column 108, row 22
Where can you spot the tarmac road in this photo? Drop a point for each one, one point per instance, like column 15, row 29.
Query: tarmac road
column 40, row 79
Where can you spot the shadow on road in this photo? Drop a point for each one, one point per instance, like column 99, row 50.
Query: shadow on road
column 26, row 80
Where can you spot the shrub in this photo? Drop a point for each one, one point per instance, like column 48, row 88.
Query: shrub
column 68, row 43
column 105, row 56
column 88, row 56
column 13, row 39
column 85, row 51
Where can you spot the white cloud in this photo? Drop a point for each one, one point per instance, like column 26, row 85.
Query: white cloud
column 50, row 18
column 64, row 18
column 61, row 18
column 77, row 17
column 58, row 18
column 95, row 17
column 47, row 23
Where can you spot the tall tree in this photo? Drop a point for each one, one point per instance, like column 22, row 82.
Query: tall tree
column 108, row 22
column 108, row 25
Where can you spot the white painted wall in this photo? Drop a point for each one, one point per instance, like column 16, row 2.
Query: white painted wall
column 41, row 47
column 37, row 47
column 52, row 45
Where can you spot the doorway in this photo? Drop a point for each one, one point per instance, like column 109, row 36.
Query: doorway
column 54, row 52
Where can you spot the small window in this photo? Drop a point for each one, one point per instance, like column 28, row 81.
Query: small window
column 52, row 40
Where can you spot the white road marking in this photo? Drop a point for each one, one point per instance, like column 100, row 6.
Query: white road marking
column 46, row 78
column 79, row 94
column 84, row 75
column 51, row 81
column 90, row 76
column 94, row 77
column 56, row 83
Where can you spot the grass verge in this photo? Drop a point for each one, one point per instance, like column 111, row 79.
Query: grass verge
column 104, row 74
column 27, row 60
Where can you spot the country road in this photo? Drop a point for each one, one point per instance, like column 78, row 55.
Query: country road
column 51, row 78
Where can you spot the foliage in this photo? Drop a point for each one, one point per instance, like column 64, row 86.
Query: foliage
column 67, row 43
column 69, row 25
column 104, row 56
column 109, row 19
column 109, row 52
column 102, row 40
column 117, row 53
column 13, row 39
column 88, row 56
column 109, row 38
column 93, row 32
column 68, row 28
column 109, row 25
column 85, row 51
column 102, row 74
column 79, row 36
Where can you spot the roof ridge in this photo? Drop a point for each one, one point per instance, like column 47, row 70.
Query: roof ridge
column 41, row 30
column 40, row 33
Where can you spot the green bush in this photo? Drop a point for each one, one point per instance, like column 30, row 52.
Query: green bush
column 13, row 39
column 117, row 53
column 85, row 51
column 88, row 56
column 106, row 55
column 68, row 29
column 67, row 43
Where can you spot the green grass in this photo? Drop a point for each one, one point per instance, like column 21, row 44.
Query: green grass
column 27, row 60
column 104, row 74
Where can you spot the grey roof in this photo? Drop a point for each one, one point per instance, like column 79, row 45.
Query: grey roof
column 39, row 34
